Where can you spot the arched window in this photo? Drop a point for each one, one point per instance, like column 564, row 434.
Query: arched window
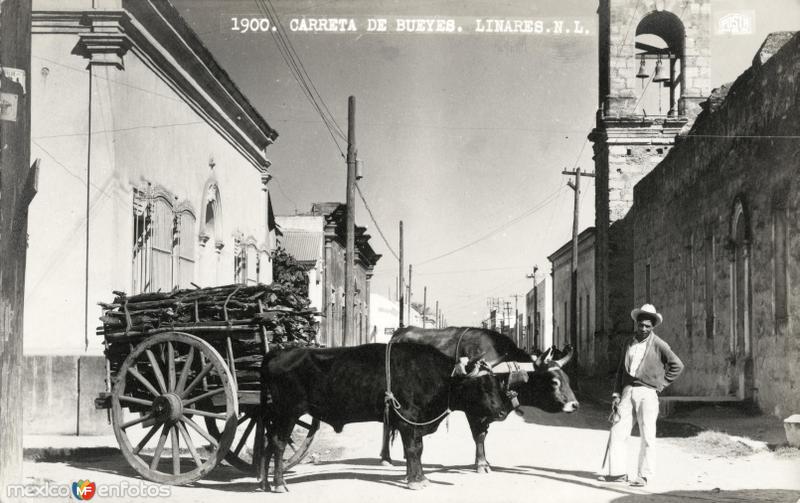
column 739, row 244
column 185, row 248
column 660, row 64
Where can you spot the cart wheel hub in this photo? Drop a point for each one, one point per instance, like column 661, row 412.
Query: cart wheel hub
column 168, row 407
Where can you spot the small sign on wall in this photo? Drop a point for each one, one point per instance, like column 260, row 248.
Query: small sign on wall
column 8, row 107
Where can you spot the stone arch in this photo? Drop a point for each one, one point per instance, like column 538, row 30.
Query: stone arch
column 660, row 48
column 739, row 244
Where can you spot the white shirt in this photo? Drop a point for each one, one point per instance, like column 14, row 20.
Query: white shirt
column 635, row 355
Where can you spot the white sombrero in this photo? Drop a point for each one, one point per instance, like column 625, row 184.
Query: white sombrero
column 650, row 310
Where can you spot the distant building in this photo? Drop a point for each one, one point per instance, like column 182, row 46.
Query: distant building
column 145, row 141
column 539, row 315
column 716, row 238
column 561, row 262
column 322, row 232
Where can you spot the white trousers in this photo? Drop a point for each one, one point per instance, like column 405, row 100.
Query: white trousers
column 643, row 402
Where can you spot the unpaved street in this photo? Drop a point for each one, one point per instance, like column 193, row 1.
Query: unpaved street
column 555, row 459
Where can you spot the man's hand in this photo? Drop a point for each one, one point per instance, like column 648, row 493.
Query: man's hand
column 615, row 401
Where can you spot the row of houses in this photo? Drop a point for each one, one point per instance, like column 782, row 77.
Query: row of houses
column 697, row 212
column 154, row 176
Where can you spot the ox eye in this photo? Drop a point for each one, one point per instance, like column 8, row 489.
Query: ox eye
column 556, row 383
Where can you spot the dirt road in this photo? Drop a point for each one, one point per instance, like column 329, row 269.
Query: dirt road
column 540, row 458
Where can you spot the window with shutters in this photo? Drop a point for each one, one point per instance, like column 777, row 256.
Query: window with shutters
column 163, row 235
column 185, row 249
column 252, row 260
column 141, row 242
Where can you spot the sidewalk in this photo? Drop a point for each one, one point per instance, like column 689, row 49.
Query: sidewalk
column 53, row 447
column 730, row 418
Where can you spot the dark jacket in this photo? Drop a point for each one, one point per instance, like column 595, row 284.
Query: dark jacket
column 659, row 367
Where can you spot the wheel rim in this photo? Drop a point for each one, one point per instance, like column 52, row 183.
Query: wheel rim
column 240, row 454
column 170, row 379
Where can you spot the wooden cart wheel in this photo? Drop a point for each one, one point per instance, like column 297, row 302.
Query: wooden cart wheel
column 241, row 452
column 169, row 379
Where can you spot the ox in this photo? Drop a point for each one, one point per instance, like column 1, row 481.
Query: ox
column 348, row 385
column 543, row 385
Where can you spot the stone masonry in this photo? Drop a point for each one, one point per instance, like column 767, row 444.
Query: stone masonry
column 628, row 146
column 716, row 230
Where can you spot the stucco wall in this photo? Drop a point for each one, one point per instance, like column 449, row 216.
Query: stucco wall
column 143, row 131
column 684, row 215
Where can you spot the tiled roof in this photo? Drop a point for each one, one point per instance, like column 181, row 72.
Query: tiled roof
column 304, row 246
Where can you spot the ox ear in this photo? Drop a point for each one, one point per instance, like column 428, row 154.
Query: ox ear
column 566, row 358
column 544, row 357
column 461, row 367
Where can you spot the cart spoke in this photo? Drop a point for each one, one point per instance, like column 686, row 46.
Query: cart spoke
column 203, row 396
column 156, row 370
column 176, row 451
column 138, row 401
column 146, row 438
column 197, row 379
column 245, row 435
column 160, row 447
column 201, row 431
column 170, row 367
column 185, row 370
column 244, row 418
column 205, row 413
column 303, row 424
column 188, row 441
column 134, row 422
column 142, row 379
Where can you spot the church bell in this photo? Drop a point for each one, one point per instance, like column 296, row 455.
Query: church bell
column 642, row 73
column 659, row 75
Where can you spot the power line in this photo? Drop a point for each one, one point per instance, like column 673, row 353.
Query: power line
column 291, row 59
column 378, row 227
column 529, row 212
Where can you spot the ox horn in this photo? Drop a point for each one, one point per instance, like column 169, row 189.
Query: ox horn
column 566, row 358
column 545, row 357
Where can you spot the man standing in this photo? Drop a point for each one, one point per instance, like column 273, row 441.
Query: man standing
column 647, row 366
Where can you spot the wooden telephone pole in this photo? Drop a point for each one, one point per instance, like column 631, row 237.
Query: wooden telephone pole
column 573, row 297
column 349, row 283
column 402, row 287
column 410, row 270
column 18, row 181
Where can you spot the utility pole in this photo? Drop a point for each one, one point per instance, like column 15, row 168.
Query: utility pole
column 18, row 184
column 437, row 315
column 573, row 298
column 424, row 304
column 401, row 286
column 409, row 292
column 349, row 284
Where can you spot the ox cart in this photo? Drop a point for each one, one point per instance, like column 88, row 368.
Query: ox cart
column 184, row 366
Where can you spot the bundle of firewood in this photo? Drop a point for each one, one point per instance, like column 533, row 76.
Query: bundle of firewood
column 251, row 316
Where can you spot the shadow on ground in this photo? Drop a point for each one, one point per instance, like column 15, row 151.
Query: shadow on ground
column 715, row 495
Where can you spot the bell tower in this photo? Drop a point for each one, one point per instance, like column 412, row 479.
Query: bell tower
column 654, row 73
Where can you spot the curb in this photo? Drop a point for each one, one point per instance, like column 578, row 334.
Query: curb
column 64, row 453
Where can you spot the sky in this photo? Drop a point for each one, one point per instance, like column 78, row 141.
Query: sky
column 463, row 135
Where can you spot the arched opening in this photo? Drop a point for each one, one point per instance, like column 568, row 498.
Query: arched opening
column 210, row 237
column 740, row 343
column 660, row 64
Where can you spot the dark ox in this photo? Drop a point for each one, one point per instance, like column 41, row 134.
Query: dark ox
column 545, row 385
column 348, row 385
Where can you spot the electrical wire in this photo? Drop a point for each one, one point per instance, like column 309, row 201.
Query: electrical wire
column 378, row 227
column 494, row 231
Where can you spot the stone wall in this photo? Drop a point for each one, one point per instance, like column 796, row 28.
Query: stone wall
column 741, row 157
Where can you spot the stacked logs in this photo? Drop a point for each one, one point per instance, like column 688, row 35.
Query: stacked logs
column 252, row 317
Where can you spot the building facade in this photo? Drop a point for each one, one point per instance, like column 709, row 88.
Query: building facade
column 653, row 74
column 716, row 238
column 329, row 221
column 561, row 262
column 153, row 176
column 539, row 314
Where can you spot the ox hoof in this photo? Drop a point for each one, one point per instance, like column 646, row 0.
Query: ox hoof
column 483, row 469
column 264, row 487
column 386, row 462
column 281, row 489
column 418, row 484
